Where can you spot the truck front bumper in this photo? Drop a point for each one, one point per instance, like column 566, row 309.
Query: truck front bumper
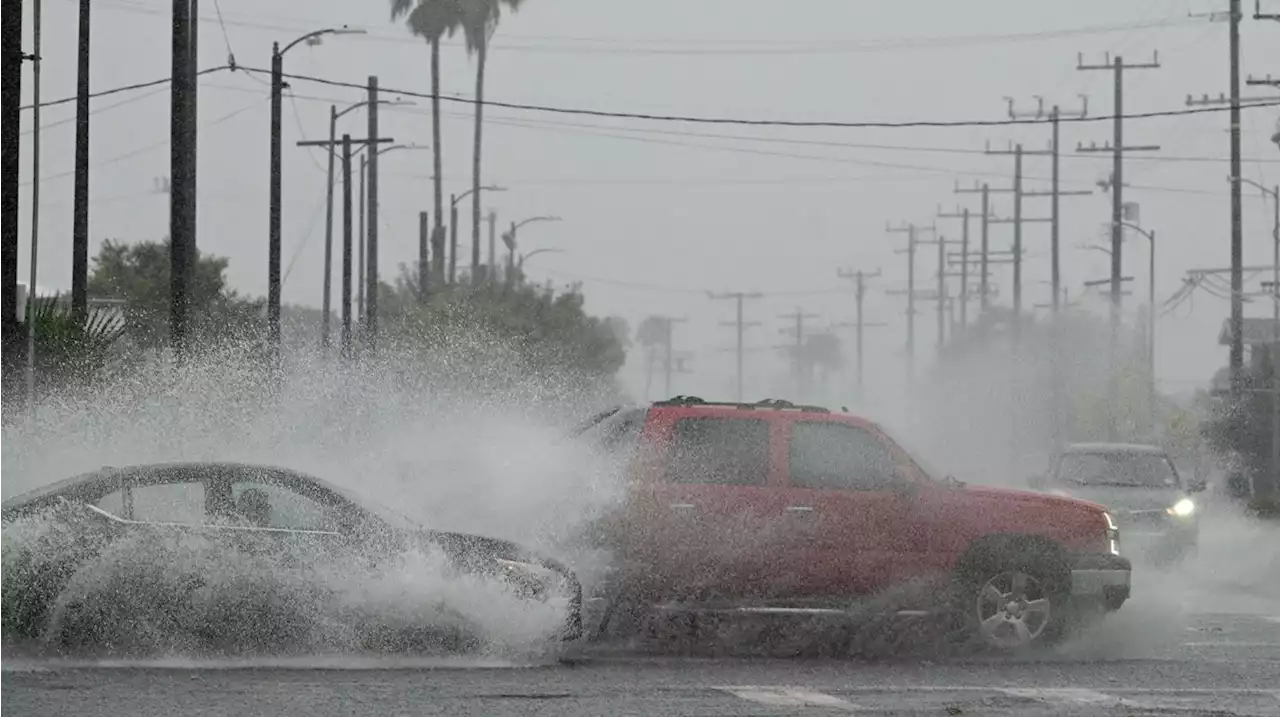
column 1101, row 576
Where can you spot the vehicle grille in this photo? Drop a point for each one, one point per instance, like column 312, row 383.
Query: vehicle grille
column 1141, row 519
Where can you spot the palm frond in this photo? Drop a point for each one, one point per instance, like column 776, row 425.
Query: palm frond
column 429, row 19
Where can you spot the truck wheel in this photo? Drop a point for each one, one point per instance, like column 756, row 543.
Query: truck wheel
column 1015, row 603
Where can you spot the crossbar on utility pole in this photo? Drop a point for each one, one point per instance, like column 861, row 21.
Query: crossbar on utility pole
column 740, row 325
column 984, row 289
column 940, row 293
column 1055, row 193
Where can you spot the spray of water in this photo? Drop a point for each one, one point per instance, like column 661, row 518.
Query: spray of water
column 467, row 436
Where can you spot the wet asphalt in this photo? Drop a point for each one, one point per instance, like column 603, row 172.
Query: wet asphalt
column 1203, row 639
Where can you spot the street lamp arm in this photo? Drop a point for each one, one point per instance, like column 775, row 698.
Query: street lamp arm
column 469, row 192
column 319, row 33
column 366, row 103
column 537, row 219
column 1138, row 229
column 1264, row 189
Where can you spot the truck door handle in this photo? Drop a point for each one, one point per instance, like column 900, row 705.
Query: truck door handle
column 682, row 506
column 799, row 509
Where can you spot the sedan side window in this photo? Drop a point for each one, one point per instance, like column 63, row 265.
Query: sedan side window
column 266, row 505
column 160, row 503
column 825, row 455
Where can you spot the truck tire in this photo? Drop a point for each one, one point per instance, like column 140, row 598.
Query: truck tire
column 1016, row 596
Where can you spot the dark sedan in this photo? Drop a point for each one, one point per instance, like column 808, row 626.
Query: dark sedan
column 1154, row 506
column 260, row 509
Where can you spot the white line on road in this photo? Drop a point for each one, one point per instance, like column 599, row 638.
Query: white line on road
column 788, row 697
column 1071, row 695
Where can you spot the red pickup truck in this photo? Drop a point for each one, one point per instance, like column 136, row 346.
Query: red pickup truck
column 771, row 507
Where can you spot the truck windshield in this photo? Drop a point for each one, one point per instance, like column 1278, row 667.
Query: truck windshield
column 1138, row 470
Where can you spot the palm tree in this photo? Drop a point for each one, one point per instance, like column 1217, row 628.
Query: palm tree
column 479, row 21
column 433, row 20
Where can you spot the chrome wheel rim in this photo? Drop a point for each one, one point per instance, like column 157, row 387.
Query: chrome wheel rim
column 1013, row 610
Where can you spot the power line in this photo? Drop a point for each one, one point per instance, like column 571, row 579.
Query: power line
column 124, row 88
column 699, row 46
column 742, row 121
column 690, row 119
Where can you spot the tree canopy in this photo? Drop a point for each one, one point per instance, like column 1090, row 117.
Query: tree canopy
column 138, row 274
column 548, row 330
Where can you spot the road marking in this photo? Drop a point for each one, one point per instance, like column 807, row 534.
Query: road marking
column 788, row 697
column 1070, row 695
column 1232, row 643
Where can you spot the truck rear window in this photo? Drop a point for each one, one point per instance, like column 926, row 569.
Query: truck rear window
column 720, row 451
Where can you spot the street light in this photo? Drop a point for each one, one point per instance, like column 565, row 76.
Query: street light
column 535, row 252
column 1151, row 321
column 509, row 238
column 334, row 114
column 453, row 233
column 273, row 229
column 1275, row 321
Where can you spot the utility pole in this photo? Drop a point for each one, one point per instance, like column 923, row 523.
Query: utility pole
column 371, row 280
column 984, row 269
column 859, row 279
column 940, row 293
column 1117, row 149
column 274, row 198
column 1017, row 221
column 668, row 341
column 453, row 239
column 80, row 196
column 424, row 237
column 326, row 305
column 10, row 172
column 1055, row 193
column 181, row 197
column 346, row 247
column 346, row 143
column 491, row 272
column 361, row 234
column 739, row 324
column 798, row 363
column 912, row 231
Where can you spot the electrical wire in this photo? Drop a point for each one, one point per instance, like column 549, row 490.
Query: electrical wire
column 139, row 150
column 743, row 121
column 693, row 46
column 99, row 110
column 689, row 119
column 125, row 88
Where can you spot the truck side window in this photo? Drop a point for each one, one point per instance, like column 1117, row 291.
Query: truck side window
column 825, row 455
column 720, row 451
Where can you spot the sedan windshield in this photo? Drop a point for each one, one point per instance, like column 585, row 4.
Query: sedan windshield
column 1148, row 470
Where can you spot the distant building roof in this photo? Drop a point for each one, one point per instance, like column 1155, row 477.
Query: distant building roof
column 1257, row 332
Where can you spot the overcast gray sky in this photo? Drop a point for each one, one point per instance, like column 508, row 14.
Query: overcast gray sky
column 656, row 213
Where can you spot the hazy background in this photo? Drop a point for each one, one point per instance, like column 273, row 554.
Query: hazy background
column 658, row 213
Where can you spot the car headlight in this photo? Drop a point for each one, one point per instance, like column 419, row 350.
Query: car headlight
column 1182, row 508
column 533, row 579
